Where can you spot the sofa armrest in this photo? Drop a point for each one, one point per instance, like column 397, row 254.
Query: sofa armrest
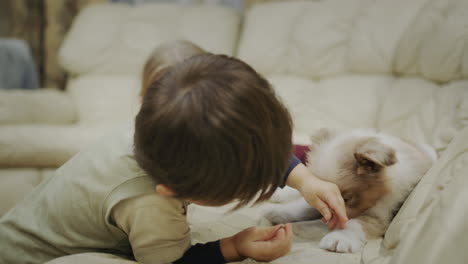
column 433, row 219
column 43, row 146
column 36, row 106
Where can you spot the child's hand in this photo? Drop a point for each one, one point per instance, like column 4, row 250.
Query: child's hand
column 325, row 197
column 322, row 195
column 258, row 243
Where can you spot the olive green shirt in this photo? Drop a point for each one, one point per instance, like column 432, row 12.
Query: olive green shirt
column 99, row 201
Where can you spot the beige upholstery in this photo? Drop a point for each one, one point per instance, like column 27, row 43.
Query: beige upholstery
column 103, row 53
column 100, row 258
column 399, row 66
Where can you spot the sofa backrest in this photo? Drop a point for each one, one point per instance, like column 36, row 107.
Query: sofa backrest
column 399, row 66
column 117, row 38
column 108, row 43
column 317, row 39
column 431, row 226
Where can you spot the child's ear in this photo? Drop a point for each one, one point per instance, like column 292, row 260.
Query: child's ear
column 164, row 190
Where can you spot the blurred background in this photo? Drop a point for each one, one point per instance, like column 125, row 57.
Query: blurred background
column 70, row 72
column 31, row 32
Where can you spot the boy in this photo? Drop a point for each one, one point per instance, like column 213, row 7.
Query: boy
column 164, row 56
column 210, row 131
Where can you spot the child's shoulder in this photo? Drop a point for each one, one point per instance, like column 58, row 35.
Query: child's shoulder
column 107, row 167
column 153, row 202
column 110, row 155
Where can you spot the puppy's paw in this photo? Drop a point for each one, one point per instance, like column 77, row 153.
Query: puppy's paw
column 342, row 242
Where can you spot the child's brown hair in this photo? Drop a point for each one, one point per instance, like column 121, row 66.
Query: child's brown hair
column 212, row 130
column 164, row 56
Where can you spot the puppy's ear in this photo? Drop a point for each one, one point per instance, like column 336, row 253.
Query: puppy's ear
column 372, row 155
column 321, row 135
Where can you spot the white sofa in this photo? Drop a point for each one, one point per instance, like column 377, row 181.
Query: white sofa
column 399, row 66
column 103, row 54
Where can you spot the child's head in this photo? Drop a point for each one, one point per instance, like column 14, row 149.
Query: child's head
column 212, row 130
column 164, row 56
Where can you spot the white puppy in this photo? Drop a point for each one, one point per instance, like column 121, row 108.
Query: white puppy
column 375, row 172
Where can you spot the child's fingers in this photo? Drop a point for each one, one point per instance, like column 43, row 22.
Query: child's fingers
column 271, row 249
column 279, row 235
column 339, row 211
column 342, row 222
column 266, row 233
column 323, row 209
column 288, row 231
column 332, row 222
column 287, row 228
column 281, row 244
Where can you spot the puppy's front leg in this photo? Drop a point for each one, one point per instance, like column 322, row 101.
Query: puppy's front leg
column 355, row 235
column 348, row 240
column 287, row 194
column 295, row 211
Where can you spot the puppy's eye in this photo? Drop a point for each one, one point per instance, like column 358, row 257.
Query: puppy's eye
column 347, row 197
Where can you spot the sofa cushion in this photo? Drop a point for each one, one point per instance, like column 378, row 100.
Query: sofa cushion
column 117, row 38
column 91, row 258
column 412, row 108
column 211, row 223
column 424, row 112
column 279, row 38
column 105, row 98
column 431, row 225
column 435, row 45
column 316, row 39
column 46, row 106
column 342, row 102
column 43, row 146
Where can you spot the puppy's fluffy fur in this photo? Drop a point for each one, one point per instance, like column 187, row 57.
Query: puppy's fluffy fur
column 375, row 173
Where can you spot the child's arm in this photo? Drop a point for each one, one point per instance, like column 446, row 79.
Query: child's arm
column 156, row 227
column 322, row 195
column 293, row 162
column 258, row 243
column 203, row 253
column 159, row 233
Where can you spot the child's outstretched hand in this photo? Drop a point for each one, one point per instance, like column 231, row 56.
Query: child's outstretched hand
column 258, row 243
column 322, row 195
